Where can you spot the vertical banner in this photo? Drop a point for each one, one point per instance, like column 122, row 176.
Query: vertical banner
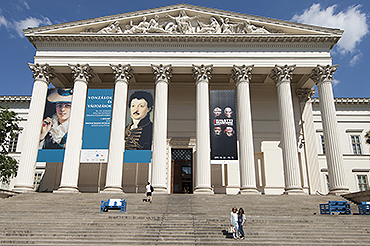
column 223, row 126
column 54, row 130
column 95, row 141
column 139, row 128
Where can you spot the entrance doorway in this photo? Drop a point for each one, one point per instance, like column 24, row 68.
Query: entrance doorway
column 182, row 171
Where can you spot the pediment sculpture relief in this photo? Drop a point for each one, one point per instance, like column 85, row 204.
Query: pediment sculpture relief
column 184, row 24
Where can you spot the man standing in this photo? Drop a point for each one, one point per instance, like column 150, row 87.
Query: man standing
column 138, row 134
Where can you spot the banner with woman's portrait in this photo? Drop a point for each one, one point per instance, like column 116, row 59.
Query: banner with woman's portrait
column 223, row 125
column 54, row 129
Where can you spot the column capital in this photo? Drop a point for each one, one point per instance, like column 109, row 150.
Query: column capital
column 202, row 72
column 82, row 72
column 323, row 73
column 282, row 73
column 42, row 72
column 305, row 95
column 122, row 72
column 242, row 73
column 162, row 73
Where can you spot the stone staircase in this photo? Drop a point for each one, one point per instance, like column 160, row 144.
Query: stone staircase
column 75, row 219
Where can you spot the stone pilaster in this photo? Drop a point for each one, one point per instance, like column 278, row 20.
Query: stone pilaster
column 69, row 180
column 322, row 76
column 122, row 75
column 282, row 77
column 309, row 139
column 159, row 161
column 202, row 75
column 241, row 76
column 42, row 75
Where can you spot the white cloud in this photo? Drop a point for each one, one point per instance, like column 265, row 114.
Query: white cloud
column 4, row 22
column 355, row 59
column 352, row 21
column 29, row 22
column 25, row 4
column 335, row 82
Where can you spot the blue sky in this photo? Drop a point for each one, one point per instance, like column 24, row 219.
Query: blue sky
column 352, row 53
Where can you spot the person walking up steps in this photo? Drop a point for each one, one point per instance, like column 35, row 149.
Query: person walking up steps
column 148, row 191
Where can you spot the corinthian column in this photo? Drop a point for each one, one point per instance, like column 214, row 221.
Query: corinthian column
column 42, row 75
column 202, row 75
column 282, row 76
column 122, row 75
column 322, row 76
column 241, row 76
column 309, row 137
column 71, row 165
column 159, row 176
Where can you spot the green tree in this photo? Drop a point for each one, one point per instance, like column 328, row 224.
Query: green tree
column 8, row 129
column 367, row 136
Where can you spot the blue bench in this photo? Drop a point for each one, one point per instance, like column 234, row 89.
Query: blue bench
column 341, row 207
column 364, row 208
column 114, row 204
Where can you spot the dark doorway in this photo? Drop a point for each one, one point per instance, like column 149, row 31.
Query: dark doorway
column 182, row 171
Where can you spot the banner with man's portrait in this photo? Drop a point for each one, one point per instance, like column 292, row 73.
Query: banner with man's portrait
column 54, row 130
column 223, row 125
column 139, row 126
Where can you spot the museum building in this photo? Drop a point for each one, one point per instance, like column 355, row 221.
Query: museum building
column 223, row 98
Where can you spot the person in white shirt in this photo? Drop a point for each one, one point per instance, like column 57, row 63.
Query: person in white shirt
column 148, row 192
column 234, row 222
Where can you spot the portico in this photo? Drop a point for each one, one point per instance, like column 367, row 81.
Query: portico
column 181, row 56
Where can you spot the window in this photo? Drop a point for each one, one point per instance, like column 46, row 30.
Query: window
column 37, row 180
column 327, row 182
column 356, row 145
column 362, row 182
column 13, row 144
column 323, row 144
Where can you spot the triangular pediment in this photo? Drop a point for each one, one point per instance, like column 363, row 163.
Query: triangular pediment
column 182, row 19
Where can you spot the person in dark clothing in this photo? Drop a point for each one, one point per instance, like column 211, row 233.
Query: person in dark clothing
column 138, row 134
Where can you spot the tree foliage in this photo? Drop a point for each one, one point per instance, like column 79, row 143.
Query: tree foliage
column 367, row 136
column 8, row 129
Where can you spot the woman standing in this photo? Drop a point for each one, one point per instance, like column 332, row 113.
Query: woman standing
column 241, row 220
column 234, row 222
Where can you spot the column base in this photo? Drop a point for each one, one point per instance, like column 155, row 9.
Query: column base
column 113, row 190
column 249, row 191
column 23, row 189
column 160, row 190
column 295, row 191
column 66, row 190
column 203, row 191
column 339, row 192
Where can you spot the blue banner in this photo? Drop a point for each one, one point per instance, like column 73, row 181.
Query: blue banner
column 97, row 119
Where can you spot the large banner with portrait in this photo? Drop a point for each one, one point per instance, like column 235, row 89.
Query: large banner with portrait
column 54, row 130
column 139, row 126
column 223, row 126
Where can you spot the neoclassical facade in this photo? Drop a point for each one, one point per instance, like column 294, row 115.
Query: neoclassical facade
column 183, row 52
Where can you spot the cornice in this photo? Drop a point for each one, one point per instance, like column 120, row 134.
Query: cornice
column 344, row 100
column 15, row 98
column 185, row 7
column 191, row 39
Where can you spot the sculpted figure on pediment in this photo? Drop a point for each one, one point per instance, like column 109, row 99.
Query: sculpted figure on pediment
column 142, row 27
column 112, row 28
column 228, row 27
column 214, row 27
column 186, row 25
column 182, row 23
column 250, row 28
